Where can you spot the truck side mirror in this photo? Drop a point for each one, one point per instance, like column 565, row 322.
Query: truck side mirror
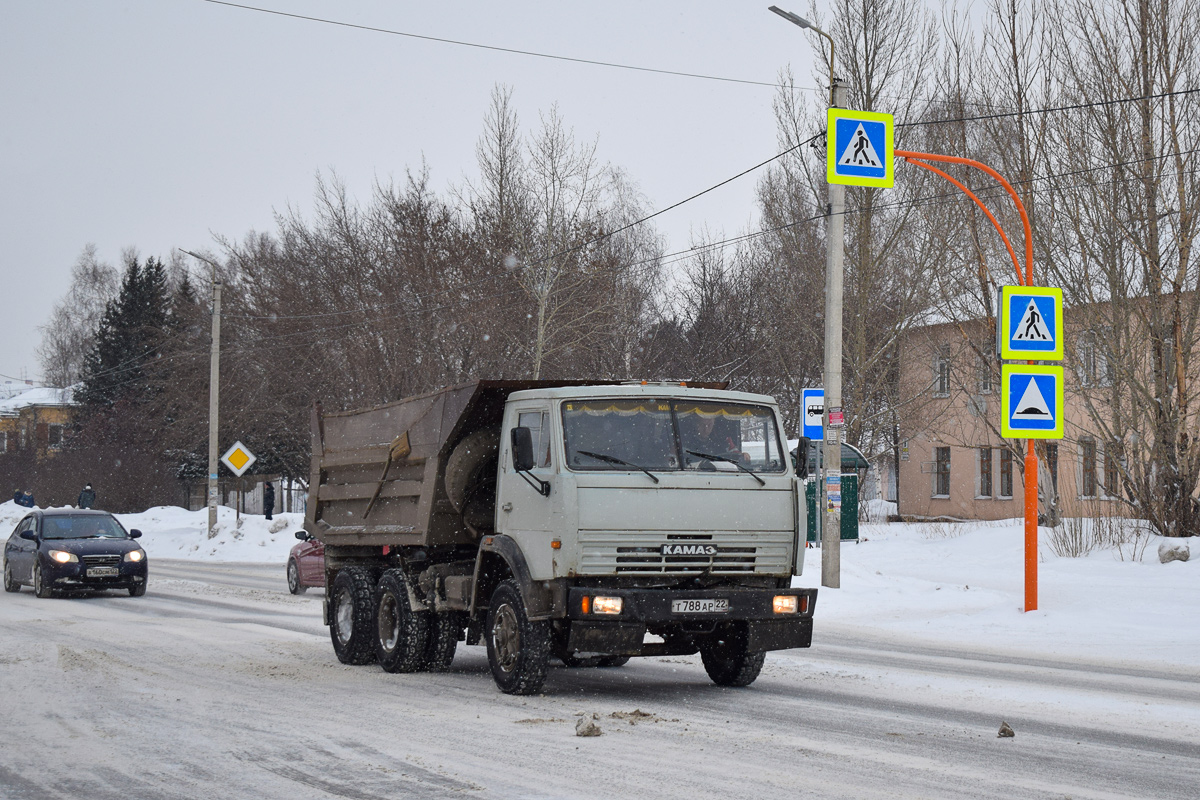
column 800, row 457
column 523, row 461
column 522, row 445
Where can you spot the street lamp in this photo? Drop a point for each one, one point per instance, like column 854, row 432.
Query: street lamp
column 796, row 19
column 835, row 233
column 214, row 385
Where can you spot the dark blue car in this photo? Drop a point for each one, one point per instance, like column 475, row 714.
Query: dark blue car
column 68, row 549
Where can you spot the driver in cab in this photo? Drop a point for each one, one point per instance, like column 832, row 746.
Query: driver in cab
column 706, row 436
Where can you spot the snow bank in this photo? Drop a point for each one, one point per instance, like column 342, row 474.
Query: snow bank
column 965, row 584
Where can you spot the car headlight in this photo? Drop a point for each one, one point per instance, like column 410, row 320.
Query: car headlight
column 63, row 557
column 135, row 555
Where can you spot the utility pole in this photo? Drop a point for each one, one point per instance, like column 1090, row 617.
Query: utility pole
column 214, row 388
column 835, row 236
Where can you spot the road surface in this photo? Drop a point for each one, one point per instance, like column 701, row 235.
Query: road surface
column 218, row 683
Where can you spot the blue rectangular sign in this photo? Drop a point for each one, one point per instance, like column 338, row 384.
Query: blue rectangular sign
column 812, row 413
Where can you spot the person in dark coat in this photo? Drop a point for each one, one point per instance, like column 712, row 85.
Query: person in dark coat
column 87, row 498
column 17, row 497
column 26, row 499
column 268, row 499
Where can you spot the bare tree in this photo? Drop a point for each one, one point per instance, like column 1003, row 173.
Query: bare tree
column 67, row 336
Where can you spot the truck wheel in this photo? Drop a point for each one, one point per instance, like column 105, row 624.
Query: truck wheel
column 726, row 659
column 518, row 649
column 403, row 633
column 352, row 616
column 443, row 641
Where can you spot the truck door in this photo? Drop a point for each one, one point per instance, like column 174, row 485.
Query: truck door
column 522, row 513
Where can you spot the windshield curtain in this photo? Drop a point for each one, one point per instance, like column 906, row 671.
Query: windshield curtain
column 657, row 434
column 82, row 527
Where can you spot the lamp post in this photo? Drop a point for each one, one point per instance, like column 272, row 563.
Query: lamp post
column 214, row 387
column 835, row 235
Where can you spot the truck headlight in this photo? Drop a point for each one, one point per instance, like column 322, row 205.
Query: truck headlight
column 135, row 555
column 62, row 556
column 607, row 605
column 785, row 603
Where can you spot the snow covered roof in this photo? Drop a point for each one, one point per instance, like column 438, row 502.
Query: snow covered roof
column 40, row 396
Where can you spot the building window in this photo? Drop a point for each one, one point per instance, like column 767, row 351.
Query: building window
column 1112, row 475
column 1094, row 366
column 1052, row 464
column 24, row 437
column 985, row 472
column 984, row 368
column 941, row 472
column 3, row 441
column 941, row 376
column 54, row 436
column 1087, row 466
column 1006, row 473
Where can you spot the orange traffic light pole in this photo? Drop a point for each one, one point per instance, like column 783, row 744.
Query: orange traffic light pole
column 1031, row 462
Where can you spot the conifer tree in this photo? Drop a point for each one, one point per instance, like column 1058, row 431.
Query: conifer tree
column 129, row 337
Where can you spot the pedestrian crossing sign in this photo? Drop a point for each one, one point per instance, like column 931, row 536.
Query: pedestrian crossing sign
column 859, row 149
column 1031, row 401
column 1031, row 323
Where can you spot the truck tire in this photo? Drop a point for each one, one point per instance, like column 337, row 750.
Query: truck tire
column 352, row 616
column 518, row 648
column 444, row 632
column 403, row 634
column 726, row 659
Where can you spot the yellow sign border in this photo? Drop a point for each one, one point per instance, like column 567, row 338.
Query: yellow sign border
column 1060, row 392
column 889, row 157
column 1005, row 320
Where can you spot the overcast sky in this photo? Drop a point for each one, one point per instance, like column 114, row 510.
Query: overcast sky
column 161, row 123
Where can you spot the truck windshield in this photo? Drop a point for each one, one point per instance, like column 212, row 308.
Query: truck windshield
column 656, row 434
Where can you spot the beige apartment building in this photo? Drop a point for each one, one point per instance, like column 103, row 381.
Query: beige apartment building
column 953, row 461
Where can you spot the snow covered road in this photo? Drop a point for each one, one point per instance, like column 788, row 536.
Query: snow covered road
column 218, row 683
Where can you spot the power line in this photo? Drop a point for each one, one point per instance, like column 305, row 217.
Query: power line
column 494, row 48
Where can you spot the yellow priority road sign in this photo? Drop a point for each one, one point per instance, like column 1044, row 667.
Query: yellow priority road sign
column 859, row 148
column 238, row 458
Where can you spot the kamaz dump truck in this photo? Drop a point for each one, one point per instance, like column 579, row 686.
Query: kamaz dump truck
column 582, row 521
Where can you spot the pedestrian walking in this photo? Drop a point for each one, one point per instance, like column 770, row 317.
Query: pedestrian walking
column 87, row 498
column 268, row 499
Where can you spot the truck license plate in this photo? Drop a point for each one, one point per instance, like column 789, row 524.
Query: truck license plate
column 706, row 606
column 101, row 572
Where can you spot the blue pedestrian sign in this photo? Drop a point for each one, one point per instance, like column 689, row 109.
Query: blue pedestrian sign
column 859, row 148
column 812, row 410
column 1031, row 401
column 1031, row 323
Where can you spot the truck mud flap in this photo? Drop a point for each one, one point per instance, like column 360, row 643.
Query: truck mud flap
column 763, row 635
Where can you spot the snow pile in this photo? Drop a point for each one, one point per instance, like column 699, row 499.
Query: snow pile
column 965, row 583
column 173, row 532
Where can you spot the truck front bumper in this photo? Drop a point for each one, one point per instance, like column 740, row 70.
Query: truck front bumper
column 657, row 611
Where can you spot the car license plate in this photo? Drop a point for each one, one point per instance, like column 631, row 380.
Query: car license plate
column 102, row 572
column 706, row 606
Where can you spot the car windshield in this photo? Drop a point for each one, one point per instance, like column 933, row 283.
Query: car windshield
column 662, row 435
column 82, row 527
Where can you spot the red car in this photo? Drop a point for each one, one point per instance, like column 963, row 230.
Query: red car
column 306, row 564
